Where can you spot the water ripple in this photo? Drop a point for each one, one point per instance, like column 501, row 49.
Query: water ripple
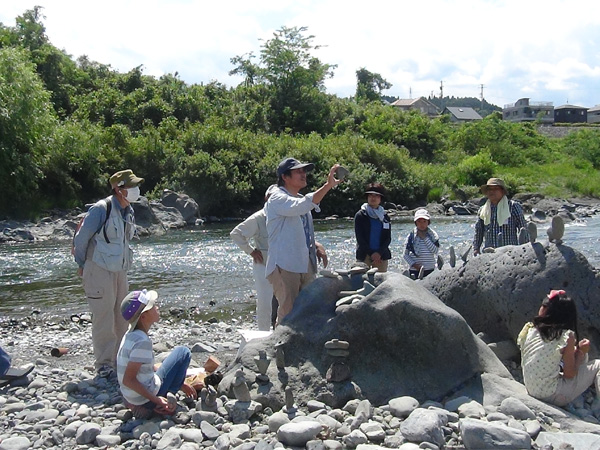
column 203, row 268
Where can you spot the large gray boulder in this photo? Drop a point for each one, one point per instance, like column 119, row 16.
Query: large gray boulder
column 146, row 221
column 186, row 205
column 403, row 341
column 491, row 391
column 497, row 293
column 170, row 217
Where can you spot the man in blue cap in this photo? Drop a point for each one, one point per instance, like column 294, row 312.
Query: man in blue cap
column 293, row 252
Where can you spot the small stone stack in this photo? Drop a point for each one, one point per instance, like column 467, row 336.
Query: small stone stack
column 262, row 364
column 338, row 351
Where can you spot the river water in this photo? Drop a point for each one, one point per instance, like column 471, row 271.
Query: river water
column 201, row 268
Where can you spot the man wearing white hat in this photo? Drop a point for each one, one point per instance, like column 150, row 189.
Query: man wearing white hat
column 499, row 219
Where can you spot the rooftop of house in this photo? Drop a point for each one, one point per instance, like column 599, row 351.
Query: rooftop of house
column 463, row 112
column 569, row 107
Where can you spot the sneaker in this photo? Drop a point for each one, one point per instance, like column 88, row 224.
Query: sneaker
column 105, row 371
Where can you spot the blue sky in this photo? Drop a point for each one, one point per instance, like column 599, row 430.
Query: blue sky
column 545, row 50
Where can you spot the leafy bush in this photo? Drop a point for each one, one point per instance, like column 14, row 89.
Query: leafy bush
column 434, row 195
column 509, row 144
column 475, row 170
column 585, row 144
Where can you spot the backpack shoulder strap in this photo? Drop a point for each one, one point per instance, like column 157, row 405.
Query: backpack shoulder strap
column 108, row 204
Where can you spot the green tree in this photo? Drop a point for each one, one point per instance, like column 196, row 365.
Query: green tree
column 27, row 123
column 294, row 80
column 369, row 85
column 509, row 143
column 57, row 70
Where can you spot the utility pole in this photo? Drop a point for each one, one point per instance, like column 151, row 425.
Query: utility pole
column 410, row 92
column 482, row 97
column 442, row 95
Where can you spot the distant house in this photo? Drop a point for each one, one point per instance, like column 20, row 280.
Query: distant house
column 593, row 114
column 416, row 104
column 570, row 114
column 525, row 111
column 461, row 114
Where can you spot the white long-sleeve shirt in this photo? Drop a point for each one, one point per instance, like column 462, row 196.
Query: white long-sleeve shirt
column 254, row 229
column 287, row 241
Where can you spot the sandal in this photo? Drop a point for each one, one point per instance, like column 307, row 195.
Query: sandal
column 17, row 372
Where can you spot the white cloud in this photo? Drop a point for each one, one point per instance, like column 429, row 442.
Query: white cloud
column 544, row 49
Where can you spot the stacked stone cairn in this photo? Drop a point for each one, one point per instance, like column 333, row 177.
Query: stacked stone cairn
column 243, row 407
column 361, row 287
column 262, row 364
column 338, row 351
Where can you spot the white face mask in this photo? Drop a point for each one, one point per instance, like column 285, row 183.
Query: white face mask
column 133, row 194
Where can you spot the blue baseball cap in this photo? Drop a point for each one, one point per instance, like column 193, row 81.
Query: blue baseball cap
column 291, row 164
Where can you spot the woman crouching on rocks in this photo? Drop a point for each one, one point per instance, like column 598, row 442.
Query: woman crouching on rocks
column 555, row 363
column 148, row 389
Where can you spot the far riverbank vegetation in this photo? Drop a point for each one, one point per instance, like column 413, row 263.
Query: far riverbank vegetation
column 66, row 124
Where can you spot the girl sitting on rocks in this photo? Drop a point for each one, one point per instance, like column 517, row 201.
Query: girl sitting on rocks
column 554, row 360
column 146, row 388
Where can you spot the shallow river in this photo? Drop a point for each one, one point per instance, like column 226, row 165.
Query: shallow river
column 203, row 269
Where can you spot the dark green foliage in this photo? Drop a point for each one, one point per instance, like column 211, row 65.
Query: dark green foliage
column 411, row 130
column 66, row 125
column 508, row 143
column 475, row 170
column 369, row 85
column 27, row 123
column 585, row 144
column 292, row 80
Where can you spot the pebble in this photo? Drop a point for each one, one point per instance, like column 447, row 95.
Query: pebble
column 403, row 406
column 478, row 434
column 62, row 405
column 471, row 409
column 516, row 408
column 423, row 425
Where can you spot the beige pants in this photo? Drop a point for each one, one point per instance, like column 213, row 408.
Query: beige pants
column 286, row 287
column 104, row 291
column 382, row 265
column 570, row 388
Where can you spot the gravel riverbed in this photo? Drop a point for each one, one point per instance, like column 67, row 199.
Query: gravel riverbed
column 62, row 405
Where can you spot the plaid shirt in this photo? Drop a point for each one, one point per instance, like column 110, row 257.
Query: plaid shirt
column 509, row 229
